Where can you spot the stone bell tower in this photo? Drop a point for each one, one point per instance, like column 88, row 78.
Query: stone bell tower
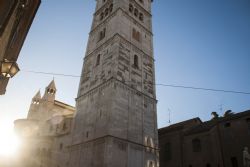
column 116, row 122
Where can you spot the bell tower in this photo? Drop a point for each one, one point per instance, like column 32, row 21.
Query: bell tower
column 116, row 122
column 34, row 106
column 50, row 92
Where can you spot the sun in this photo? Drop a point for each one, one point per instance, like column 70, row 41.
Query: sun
column 9, row 142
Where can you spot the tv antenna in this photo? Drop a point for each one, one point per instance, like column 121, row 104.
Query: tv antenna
column 221, row 107
column 169, row 116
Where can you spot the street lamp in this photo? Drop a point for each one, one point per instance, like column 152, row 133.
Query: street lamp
column 8, row 68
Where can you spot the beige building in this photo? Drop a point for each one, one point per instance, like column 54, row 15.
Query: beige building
column 45, row 131
column 216, row 143
column 16, row 17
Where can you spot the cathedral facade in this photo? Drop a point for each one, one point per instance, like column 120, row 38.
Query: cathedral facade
column 45, row 133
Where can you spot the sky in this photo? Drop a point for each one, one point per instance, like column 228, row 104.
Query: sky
column 199, row 43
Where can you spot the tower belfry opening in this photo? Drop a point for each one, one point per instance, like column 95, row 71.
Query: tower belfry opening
column 112, row 126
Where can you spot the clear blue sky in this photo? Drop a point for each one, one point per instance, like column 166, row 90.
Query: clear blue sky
column 202, row 43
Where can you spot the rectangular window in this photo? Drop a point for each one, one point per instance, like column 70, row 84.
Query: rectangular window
column 102, row 34
column 234, row 162
column 167, row 151
column 228, row 124
column 136, row 35
column 64, row 126
column 196, row 145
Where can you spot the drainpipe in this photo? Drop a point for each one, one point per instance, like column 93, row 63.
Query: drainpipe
column 220, row 143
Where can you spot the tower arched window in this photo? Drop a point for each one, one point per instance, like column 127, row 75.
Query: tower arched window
column 98, row 60
column 131, row 8
column 136, row 12
column 101, row 16
column 141, row 17
column 136, row 61
column 111, row 8
column 106, row 12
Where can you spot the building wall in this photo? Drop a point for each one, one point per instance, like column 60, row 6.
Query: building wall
column 16, row 17
column 234, row 138
column 46, row 131
column 222, row 141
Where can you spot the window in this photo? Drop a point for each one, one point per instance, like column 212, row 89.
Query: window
column 135, row 61
column 61, row 146
column 136, row 12
column 150, row 163
column 228, row 124
column 196, row 145
column 51, row 91
column 141, row 17
column 131, row 8
column 106, row 12
column 98, row 60
column 87, row 134
column 136, row 35
column 101, row 16
column 64, row 126
column 234, row 162
column 102, row 34
column 51, row 128
column 111, row 8
column 100, row 113
column 167, row 151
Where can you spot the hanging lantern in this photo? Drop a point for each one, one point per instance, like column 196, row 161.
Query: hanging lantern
column 8, row 68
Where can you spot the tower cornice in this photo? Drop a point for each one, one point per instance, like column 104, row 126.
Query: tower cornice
column 110, row 81
column 109, row 41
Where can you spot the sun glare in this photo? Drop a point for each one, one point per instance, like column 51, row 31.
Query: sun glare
column 9, row 142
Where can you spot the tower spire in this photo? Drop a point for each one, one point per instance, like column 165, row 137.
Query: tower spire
column 37, row 95
column 50, row 92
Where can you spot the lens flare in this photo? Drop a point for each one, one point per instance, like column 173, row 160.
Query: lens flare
column 9, row 142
